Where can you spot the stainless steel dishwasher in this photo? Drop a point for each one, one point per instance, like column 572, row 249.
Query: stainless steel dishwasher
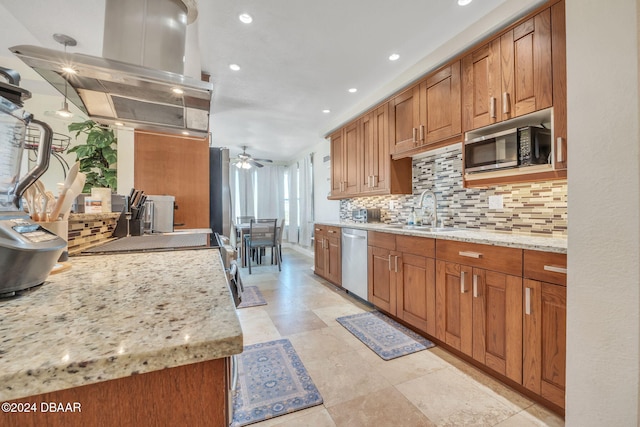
column 354, row 261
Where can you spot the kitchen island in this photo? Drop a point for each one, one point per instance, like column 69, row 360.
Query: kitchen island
column 133, row 339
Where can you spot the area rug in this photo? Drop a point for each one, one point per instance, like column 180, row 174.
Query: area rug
column 251, row 297
column 272, row 381
column 386, row 337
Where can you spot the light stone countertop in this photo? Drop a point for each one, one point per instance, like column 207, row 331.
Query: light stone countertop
column 513, row 240
column 111, row 316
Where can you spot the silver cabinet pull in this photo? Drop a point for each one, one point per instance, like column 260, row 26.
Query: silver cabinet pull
column 462, row 289
column 396, row 261
column 527, row 301
column 559, row 156
column 331, row 231
column 470, row 254
column 415, row 133
column 492, row 107
column 389, row 262
column 421, row 132
column 234, row 372
column 555, row 269
column 475, row 286
column 506, row 107
column 375, row 180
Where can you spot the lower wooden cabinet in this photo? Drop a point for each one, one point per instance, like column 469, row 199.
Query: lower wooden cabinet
column 328, row 253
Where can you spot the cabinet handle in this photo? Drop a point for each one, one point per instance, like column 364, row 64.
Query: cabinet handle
column 475, row 286
column 369, row 181
column 470, row 254
column 389, row 262
column 527, row 301
column 396, row 262
column 492, row 107
column 559, row 156
column 331, row 231
column 415, row 133
column 422, row 133
column 318, row 229
column 555, row 269
column 506, row 107
column 462, row 289
column 374, row 178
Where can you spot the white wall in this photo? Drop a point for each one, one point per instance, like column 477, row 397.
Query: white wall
column 325, row 210
column 603, row 283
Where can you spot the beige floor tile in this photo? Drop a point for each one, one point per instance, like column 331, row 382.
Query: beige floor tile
column 405, row 368
column 448, row 399
column 318, row 344
column 257, row 325
column 343, row 377
column 534, row 416
column 386, row 407
column 299, row 418
column 330, row 313
column 294, row 322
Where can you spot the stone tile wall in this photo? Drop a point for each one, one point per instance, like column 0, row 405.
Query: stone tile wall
column 532, row 208
column 88, row 230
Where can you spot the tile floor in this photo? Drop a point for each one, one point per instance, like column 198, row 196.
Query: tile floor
column 428, row 388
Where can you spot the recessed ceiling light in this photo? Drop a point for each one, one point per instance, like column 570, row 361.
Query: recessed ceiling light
column 246, row 18
column 463, row 2
column 69, row 70
column 394, row 57
column 118, row 123
column 353, row 90
column 234, row 67
column 184, row 132
column 177, row 91
column 326, row 111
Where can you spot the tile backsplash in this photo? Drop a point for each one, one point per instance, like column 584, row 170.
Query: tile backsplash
column 532, row 208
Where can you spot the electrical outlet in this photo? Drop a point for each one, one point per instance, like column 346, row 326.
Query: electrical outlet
column 392, row 205
column 495, row 202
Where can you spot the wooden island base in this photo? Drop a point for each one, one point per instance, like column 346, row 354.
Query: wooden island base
column 190, row 395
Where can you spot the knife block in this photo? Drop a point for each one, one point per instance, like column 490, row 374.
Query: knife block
column 135, row 226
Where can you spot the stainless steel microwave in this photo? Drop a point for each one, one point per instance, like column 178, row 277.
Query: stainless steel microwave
column 521, row 147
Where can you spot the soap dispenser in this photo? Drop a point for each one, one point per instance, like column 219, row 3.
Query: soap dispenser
column 412, row 217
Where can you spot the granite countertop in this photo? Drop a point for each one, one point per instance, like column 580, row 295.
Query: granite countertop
column 111, row 316
column 497, row 238
column 93, row 216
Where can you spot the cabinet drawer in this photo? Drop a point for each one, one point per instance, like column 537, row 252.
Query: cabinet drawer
column 332, row 231
column 496, row 258
column 382, row 240
column 422, row 246
column 546, row 267
column 320, row 229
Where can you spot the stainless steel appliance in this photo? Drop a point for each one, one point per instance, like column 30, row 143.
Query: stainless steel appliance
column 159, row 213
column 354, row 261
column 28, row 252
column 365, row 215
column 521, row 147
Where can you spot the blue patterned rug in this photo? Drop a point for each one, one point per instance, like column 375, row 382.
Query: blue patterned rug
column 272, row 382
column 251, row 297
column 386, row 337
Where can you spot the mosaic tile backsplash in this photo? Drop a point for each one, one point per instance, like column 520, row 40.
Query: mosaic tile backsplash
column 531, row 208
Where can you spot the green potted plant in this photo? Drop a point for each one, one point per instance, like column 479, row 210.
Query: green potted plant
column 97, row 156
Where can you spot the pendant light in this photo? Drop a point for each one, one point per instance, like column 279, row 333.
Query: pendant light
column 66, row 41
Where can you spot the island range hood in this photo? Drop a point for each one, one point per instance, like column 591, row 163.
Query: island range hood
column 120, row 92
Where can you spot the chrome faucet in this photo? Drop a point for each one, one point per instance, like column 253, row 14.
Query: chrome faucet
column 435, row 204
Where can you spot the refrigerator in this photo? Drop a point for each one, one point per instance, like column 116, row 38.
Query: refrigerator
column 219, row 191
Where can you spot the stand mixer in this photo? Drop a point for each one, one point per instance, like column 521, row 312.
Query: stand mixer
column 28, row 252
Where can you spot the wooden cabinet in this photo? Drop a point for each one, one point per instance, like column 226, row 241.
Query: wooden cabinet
column 544, row 320
column 402, row 278
column 328, row 253
column 559, row 64
column 345, row 163
column 478, row 303
column 427, row 113
column 510, row 76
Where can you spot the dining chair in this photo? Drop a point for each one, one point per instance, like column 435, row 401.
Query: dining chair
column 279, row 240
column 262, row 235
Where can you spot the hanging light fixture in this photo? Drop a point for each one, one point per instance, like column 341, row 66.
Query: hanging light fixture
column 66, row 41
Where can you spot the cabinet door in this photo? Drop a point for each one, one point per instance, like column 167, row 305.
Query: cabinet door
column 497, row 322
column 481, row 87
column 416, row 291
column 440, row 100
column 559, row 60
column 319, row 253
column 378, row 156
column 404, row 118
column 526, row 67
column 337, row 163
column 333, row 258
column 454, row 305
column 545, row 317
column 369, row 153
column 382, row 288
column 351, row 165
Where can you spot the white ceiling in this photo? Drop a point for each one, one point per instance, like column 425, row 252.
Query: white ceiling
column 298, row 57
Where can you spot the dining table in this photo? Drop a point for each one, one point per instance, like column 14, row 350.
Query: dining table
column 242, row 230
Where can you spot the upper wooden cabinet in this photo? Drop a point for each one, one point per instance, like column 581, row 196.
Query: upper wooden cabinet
column 510, row 76
column 345, row 161
column 427, row 113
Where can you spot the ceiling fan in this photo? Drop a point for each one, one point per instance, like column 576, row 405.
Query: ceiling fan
column 245, row 161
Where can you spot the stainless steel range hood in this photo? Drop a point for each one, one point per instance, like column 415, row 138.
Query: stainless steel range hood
column 110, row 91
column 141, row 94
